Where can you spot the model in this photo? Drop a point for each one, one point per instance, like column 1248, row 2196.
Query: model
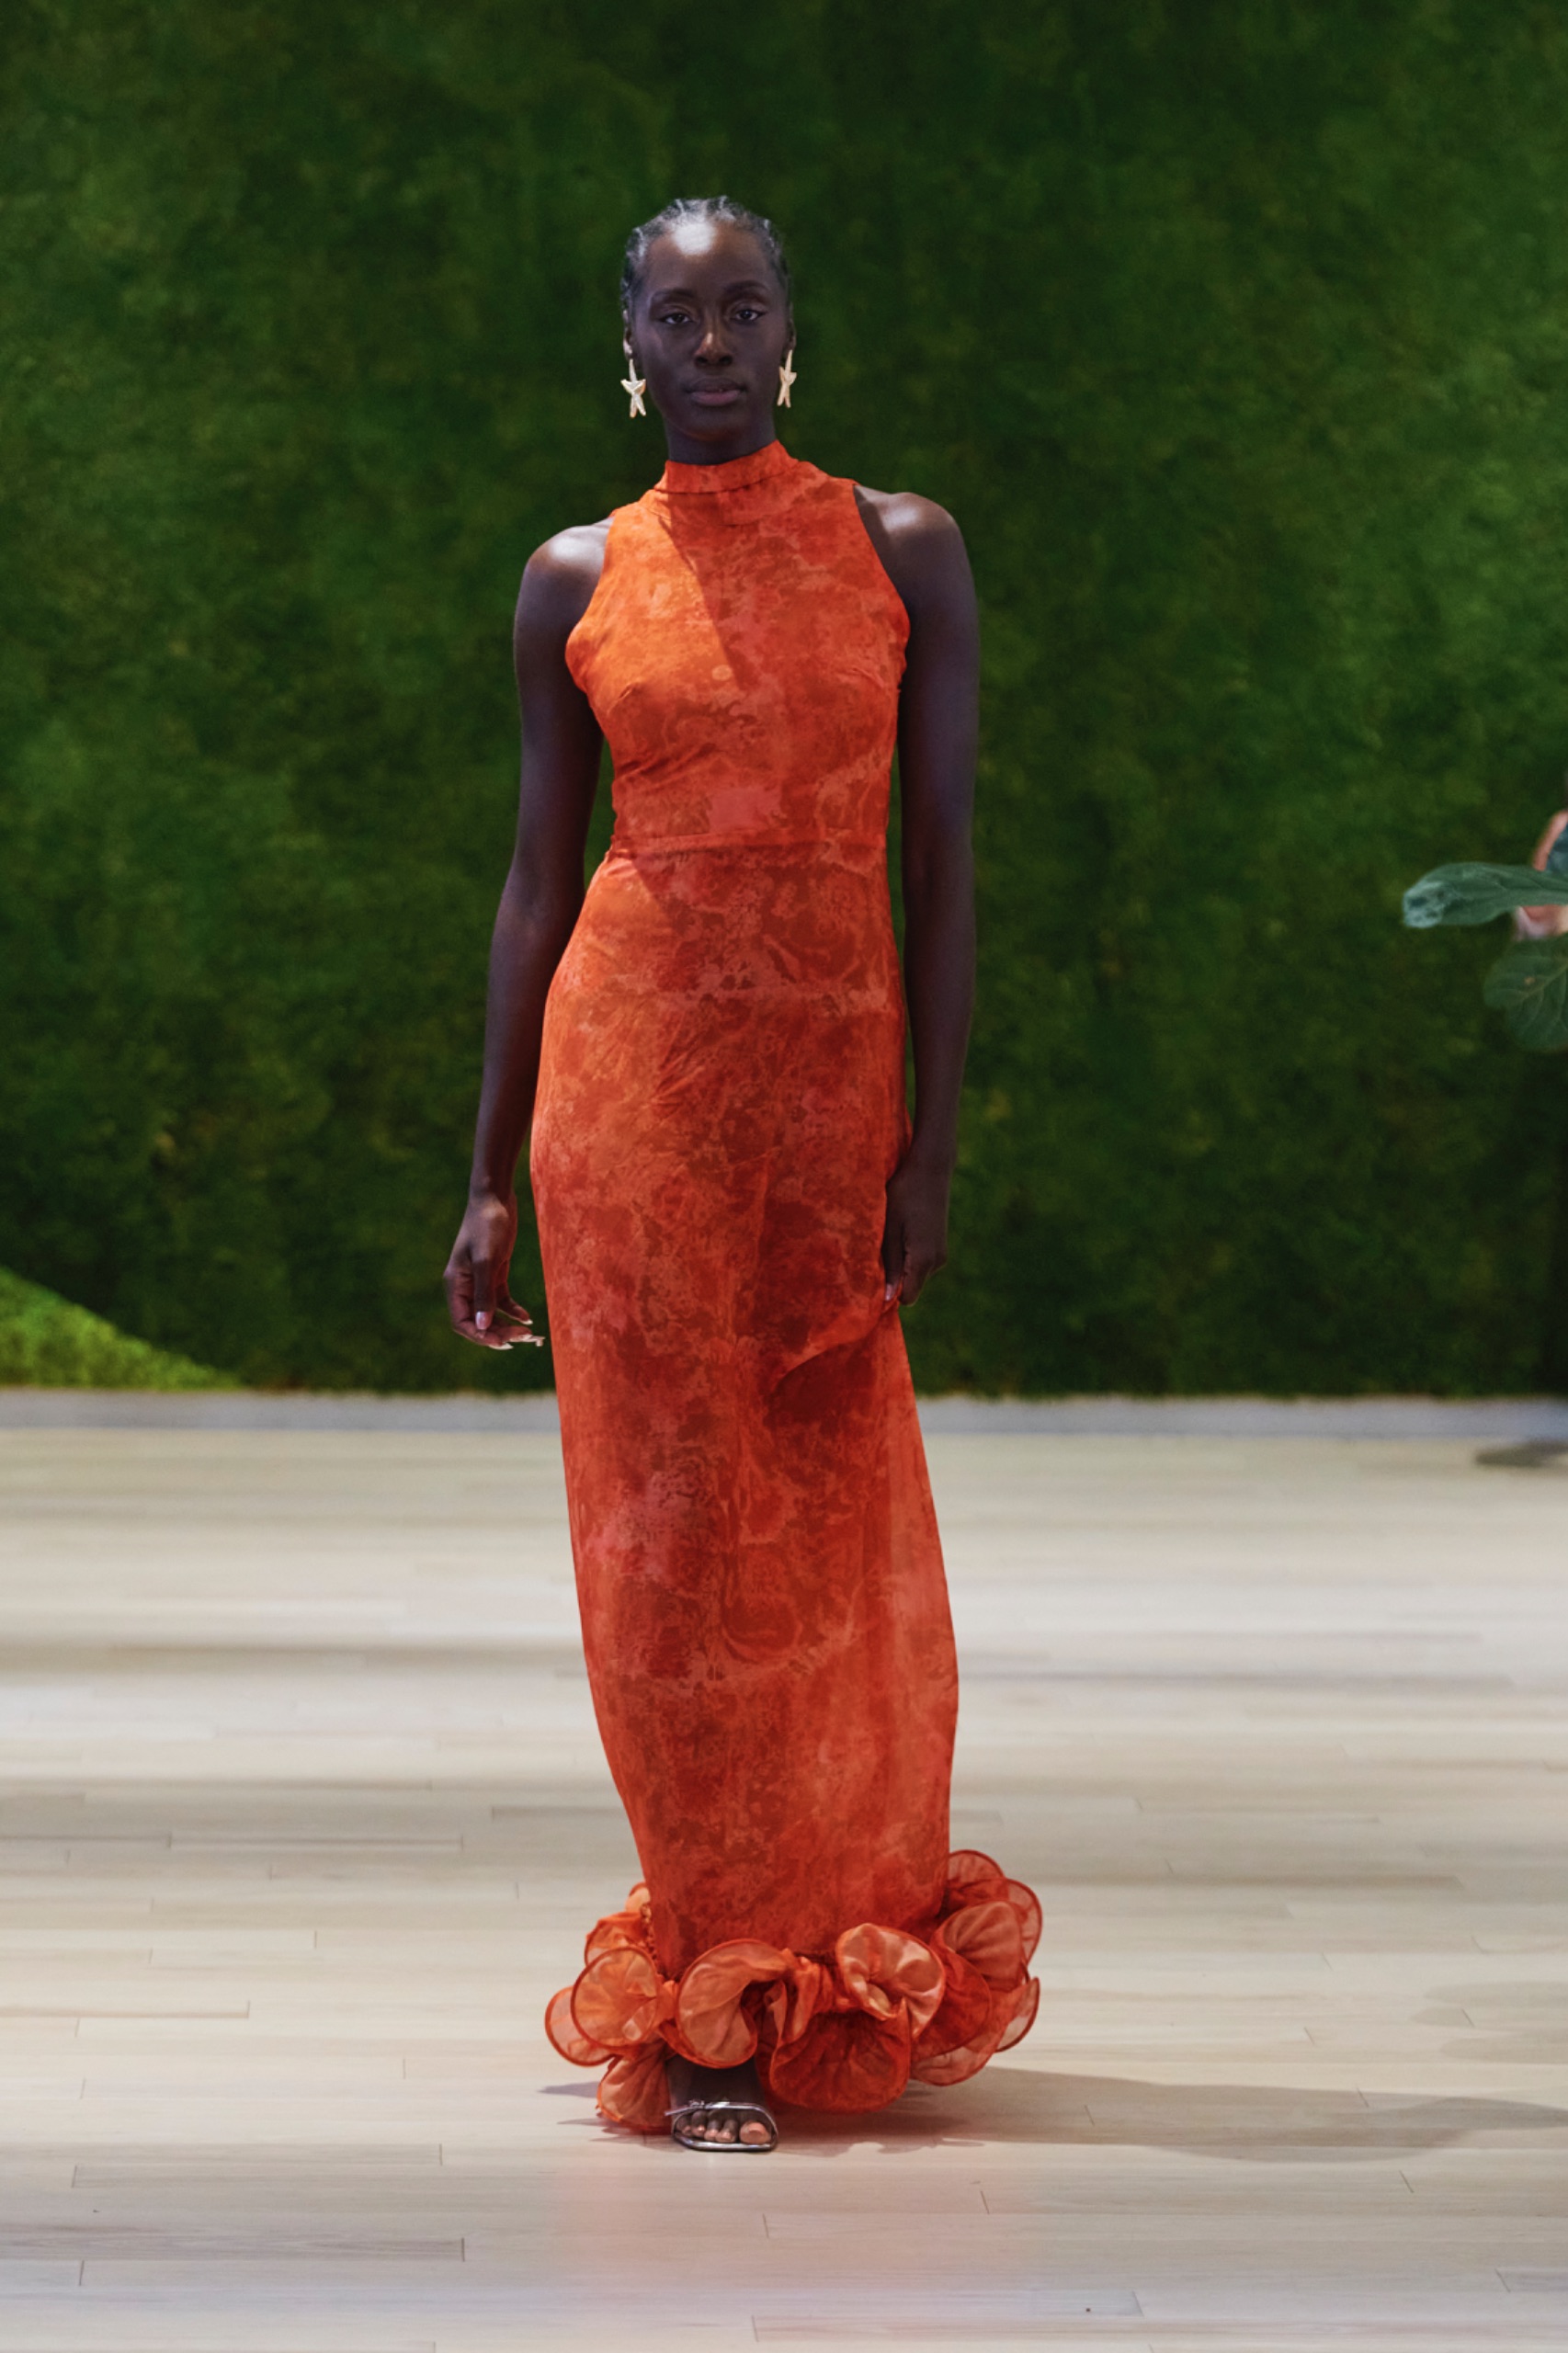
column 732, row 1202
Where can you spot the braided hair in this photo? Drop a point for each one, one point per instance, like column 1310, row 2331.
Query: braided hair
column 679, row 211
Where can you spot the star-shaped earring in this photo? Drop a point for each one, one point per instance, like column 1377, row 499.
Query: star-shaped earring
column 785, row 378
column 635, row 385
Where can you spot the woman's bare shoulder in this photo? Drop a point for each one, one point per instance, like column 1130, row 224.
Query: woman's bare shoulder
column 906, row 516
column 559, row 580
column 921, row 546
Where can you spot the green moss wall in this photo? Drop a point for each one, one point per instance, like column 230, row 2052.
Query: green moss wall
column 1236, row 336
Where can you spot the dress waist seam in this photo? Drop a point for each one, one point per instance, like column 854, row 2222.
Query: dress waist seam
column 669, row 844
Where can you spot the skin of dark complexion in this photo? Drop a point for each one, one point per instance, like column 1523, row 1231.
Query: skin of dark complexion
column 708, row 328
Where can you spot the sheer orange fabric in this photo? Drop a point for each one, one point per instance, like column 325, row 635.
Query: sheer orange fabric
column 721, row 1105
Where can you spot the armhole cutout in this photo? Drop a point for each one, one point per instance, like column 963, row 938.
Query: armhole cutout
column 865, row 518
column 582, row 621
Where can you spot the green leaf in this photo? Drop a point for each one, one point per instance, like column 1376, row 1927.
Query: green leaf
column 1529, row 984
column 1470, row 893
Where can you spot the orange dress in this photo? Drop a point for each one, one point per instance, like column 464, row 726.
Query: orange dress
column 721, row 1105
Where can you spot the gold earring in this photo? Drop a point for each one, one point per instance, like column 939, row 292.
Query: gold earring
column 635, row 385
column 785, row 378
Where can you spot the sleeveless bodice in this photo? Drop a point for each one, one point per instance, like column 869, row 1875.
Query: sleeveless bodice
column 743, row 652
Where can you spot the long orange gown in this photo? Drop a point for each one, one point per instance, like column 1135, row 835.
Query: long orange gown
column 721, row 1105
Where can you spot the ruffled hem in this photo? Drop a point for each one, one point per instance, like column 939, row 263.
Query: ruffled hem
column 844, row 2031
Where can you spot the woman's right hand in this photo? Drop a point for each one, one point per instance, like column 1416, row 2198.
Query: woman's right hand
column 478, row 1299
column 1543, row 922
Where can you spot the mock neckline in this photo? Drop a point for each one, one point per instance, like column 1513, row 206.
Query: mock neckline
column 769, row 464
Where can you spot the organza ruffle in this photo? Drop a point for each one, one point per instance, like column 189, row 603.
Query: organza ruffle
column 845, row 2031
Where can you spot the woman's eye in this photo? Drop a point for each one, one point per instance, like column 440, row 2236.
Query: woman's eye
column 745, row 314
column 673, row 318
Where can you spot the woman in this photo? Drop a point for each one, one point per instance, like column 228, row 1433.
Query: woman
column 732, row 1204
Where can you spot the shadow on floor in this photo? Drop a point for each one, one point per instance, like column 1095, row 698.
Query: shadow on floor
column 1257, row 2124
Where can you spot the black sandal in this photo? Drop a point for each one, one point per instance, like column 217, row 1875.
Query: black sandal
column 743, row 2110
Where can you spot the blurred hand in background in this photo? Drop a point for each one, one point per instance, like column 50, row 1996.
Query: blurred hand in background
column 1543, row 922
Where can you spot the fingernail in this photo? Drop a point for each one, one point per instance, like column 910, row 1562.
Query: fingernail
column 481, row 1321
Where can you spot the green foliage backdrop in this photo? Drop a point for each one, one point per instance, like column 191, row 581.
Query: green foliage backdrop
column 45, row 1342
column 1236, row 335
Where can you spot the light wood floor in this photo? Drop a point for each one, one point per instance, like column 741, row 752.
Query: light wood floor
column 303, row 1817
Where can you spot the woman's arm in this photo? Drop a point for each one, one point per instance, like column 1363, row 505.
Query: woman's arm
column 924, row 553
column 538, row 906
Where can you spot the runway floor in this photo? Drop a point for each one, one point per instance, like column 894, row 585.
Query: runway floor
column 304, row 1818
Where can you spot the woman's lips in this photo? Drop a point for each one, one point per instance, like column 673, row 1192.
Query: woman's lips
column 716, row 395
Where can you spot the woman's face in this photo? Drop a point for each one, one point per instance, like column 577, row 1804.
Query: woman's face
column 709, row 327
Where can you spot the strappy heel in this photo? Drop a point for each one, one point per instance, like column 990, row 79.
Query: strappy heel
column 744, row 2111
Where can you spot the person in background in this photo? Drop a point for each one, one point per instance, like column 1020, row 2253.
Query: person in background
column 1544, row 922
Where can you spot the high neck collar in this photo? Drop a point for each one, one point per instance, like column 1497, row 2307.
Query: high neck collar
column 770, row 463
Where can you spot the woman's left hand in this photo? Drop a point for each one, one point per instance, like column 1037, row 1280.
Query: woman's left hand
column 914, row 1238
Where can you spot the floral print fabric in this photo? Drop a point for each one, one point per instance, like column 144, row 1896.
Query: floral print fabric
column 721, row 1104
